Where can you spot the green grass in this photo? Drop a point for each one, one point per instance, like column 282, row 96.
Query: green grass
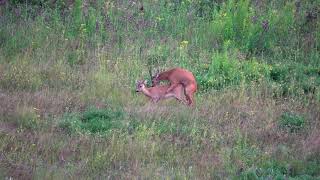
column 92, row 121
column 68, row 106
column 291, row 122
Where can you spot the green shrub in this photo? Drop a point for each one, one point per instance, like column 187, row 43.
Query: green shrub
column 252, row 31
column 274, row 169
column 295, row 79
column 233, row 22
column 292, row 122
column 222, row 72
column 279, row 73
column 225, row 71
column 270, row 169
column 253, row 71
column 95, row 121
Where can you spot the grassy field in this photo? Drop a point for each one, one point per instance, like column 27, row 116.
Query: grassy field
column 68, row 106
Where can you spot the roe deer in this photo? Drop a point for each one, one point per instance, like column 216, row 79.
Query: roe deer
column 178, row 76
column 160, row 92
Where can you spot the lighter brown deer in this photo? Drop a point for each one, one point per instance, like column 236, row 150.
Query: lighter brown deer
column 160, row 92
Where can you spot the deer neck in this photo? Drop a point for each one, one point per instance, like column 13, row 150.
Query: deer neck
column 147, row 92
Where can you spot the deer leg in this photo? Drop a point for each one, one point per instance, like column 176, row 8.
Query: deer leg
column 172, row 86
column 189, row 99
column 188, row 91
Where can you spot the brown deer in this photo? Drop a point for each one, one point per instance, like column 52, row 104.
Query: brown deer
column 177, row 76
column 160, row 92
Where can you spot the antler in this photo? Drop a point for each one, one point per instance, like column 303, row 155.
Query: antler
column 150, row 73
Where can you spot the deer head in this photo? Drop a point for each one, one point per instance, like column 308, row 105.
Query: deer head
column 140, row 85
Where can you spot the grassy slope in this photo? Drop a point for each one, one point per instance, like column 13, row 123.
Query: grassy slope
column 68, row 106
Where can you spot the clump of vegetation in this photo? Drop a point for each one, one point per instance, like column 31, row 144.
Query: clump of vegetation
column 295, row 79
column 280, row 170
column 95, row 121
column 226, row 70
column 292, row 122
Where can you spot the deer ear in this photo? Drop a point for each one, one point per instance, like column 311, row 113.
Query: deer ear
column 157, row 74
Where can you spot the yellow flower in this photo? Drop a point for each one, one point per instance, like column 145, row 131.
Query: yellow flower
column 159, row 18
column 183, row 44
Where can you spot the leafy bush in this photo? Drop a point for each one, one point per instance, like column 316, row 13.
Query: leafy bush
column 222, row 72
column 291, row 122
column 233, row 22
column 252, row 31
column 255, row 71
column 295, row 79
column 296, row 169
column 225, row 71
column 279, row 73
column 93, row 120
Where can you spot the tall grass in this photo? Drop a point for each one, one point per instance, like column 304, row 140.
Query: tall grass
column 68, row 107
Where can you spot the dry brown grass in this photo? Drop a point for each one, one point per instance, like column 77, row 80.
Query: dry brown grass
column 218, row 119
